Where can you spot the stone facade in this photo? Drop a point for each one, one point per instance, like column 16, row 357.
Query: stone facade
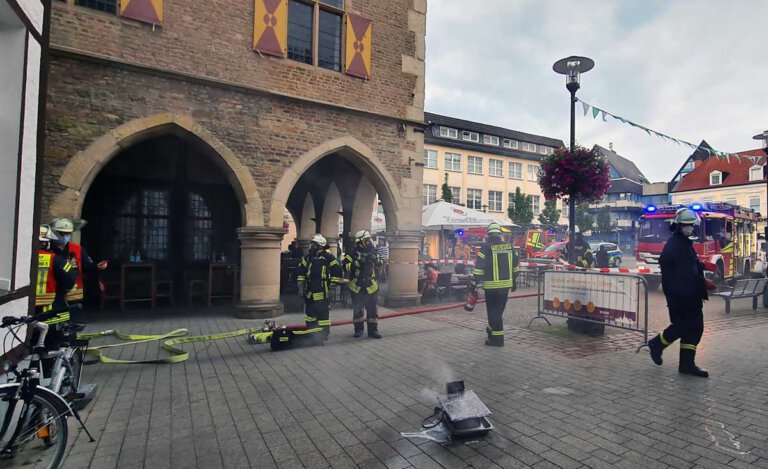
column 114, row 81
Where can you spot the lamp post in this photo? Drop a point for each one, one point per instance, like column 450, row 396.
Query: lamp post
column 572, row 67
column 764, row 137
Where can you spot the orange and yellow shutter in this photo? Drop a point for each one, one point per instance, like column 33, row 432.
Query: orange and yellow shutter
column 270, row 28
column 358, row 46
column 146, row 11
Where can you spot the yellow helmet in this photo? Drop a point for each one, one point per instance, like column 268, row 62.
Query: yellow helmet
column 494, row 228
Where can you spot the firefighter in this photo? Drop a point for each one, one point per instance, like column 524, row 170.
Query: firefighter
column 495, row 269
column 361, row 266
column 682, row 279
column 63, row 228
column 56, row 276
column 583, row 252
column 318, row 272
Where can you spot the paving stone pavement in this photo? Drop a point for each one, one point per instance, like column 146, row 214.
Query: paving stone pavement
column 233, row 404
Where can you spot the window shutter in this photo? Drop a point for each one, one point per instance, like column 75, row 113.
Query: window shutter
column 146, row 11
column 270, row 27
column 358, row 50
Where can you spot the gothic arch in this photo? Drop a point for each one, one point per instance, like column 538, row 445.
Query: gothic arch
column 362, row 157
column 83, row 168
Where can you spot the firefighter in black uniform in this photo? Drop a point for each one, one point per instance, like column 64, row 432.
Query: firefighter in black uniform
column 319, row 271
column 495, row 269
column 682, row 279
column 361, row 266
column 583, row 252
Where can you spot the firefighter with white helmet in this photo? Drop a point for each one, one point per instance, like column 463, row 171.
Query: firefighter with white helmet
column 55, row 278
column 362, row 264
column 318, row 271
column 682, row 278
column 583, row 256
column 495, row 269
column 77, row 255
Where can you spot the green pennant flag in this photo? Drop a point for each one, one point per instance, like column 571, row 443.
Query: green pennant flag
column 595, row 112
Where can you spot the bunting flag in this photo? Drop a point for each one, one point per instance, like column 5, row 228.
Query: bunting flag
column 146, row 11
column 719, row 154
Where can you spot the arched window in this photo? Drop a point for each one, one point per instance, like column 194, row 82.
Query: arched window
column 200, row 228
column 142, row 223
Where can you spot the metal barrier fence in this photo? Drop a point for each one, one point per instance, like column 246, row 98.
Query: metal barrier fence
column 614, row 300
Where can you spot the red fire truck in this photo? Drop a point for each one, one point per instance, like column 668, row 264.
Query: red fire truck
column 726, row 237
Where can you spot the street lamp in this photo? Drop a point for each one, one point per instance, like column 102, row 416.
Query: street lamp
column 764, row 137
column 572, row 67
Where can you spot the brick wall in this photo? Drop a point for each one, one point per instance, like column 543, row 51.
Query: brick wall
column 214, row 39
column 266, row 132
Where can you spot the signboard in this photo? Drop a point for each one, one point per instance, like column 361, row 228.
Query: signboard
column 613, row 298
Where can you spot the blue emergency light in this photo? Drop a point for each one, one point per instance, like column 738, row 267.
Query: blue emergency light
column 696, row 207
column 650, row 208
column 459, row 233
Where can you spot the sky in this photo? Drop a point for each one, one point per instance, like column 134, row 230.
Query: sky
column 690, row 69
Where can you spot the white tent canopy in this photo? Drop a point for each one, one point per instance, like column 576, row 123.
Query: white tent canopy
column 442, row 214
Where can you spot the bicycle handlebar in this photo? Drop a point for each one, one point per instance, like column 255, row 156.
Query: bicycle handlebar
column 9, row 321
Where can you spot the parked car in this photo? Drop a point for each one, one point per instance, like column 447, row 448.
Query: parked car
column 614, row 253
column 552, row 252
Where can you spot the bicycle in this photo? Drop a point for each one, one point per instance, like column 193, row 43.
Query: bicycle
column 33, row 418
column 67, row 369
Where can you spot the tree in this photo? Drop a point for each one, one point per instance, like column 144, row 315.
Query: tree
column 584, row 220
column 604, row 219
column 521, row 211
column 550, row 215
column 446, row 189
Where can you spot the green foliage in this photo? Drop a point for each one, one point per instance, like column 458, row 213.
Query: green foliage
column 604, row 219
column 550, row 215
column 446, row 190
column 521, row 212
column 584, row 220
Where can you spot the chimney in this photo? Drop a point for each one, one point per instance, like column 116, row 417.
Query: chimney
column 610, row 146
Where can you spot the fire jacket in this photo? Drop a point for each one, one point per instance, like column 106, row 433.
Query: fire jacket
column 55, row 277
column 583, row 253
column 682, row 274
column 76, row 255
column 362, row 270
column 318, row 273
column 495, row 266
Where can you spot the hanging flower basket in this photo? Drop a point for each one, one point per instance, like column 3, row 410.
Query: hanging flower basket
column 581, row 174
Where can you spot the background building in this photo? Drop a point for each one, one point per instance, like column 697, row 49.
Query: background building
column 485, row 164
column 184, row 129
column 738, row 181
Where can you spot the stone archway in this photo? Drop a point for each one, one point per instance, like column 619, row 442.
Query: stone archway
column 83, row 168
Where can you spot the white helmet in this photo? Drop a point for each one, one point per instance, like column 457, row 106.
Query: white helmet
column 362, row 235
column 686, row 216
column 63, row 225
column 576, row 229
column 46, row 234
column 319, row 240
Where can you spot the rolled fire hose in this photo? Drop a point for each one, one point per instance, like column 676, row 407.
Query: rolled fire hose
column 258, row 335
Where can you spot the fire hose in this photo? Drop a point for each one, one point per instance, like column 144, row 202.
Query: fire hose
column 257, row 335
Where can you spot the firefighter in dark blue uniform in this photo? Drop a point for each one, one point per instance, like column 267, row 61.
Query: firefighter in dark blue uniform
column 682, row 278
column 495, row 269
column 318, row 271
column 362, row 265
column 583, row 256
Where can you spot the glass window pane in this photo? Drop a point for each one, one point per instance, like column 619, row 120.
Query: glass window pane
column 300, row 31
column 107, row 6
column 329, row 47
column 334, row 3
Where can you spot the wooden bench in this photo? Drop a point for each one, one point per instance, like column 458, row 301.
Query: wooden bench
column 747, row 288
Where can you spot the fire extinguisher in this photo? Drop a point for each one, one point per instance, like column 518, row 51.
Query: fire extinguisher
column 471, row 301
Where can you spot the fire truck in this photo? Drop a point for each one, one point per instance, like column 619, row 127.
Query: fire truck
column 726, row 237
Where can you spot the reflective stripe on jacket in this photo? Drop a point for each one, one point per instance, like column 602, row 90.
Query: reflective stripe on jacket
column 495, row 266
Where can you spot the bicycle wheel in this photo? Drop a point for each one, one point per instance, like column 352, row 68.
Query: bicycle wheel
column 73, row 371
column 25, row 426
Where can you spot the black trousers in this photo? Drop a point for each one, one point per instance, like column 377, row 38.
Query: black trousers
column 687, row 325
column 320, row 311
column 364, row 300
column 495, row 302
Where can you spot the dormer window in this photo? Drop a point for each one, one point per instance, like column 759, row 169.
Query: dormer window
column 715, row 178
column 510, row 144
column 471, row 136
column 449, row 132
column 756, row 173
column 491, row 140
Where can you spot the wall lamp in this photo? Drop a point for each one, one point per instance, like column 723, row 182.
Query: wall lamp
column 413, row 160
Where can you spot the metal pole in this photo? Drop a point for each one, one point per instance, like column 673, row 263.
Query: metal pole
column 571, row 198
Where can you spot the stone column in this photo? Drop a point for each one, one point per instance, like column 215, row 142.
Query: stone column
column 402, row 282
column 260, row 272
column 304, row 244
column 333, row 242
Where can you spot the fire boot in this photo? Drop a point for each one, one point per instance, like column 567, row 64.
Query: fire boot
column 688, row 362
column 359, row 328
column 496, row 339
column 656, row 347
column 373, row 330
